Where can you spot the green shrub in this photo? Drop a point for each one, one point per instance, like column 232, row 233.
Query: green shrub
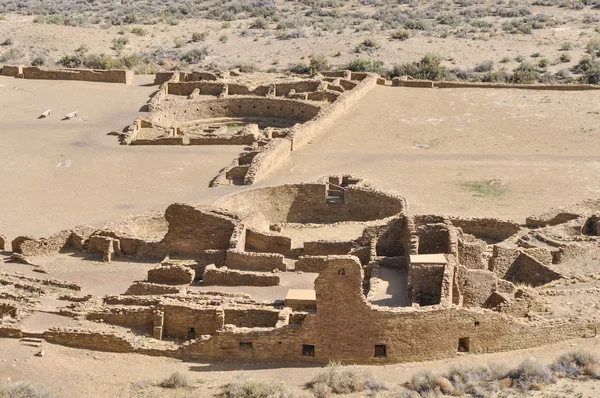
column 564, row 58
column 429, row 68
column 224, row 39
column 365, row 65
column 485, row 66
column 38, row 61
column 69, row 61
column 543, row 63
column 367, row 45
column 194, row 56
column 139, row 31
column 593, row 47
column 175, row 380
column 198, row 36
column 525, row 73
column 590, row 69
column 119, row 43
column 259, row 23
column 567, row 46
column 401, row 35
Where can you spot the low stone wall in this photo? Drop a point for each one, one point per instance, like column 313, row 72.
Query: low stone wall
column 12, row 71
column 249, row 261
column 326, row 248
column 251, row 317
column 226, row 277
column 311, row 264
column 130, row 316
column 95, row 340
column 528, row 270
column 90, row 75
column 399, row 82
column 272, row 156
column 486, row 228
column 171, row 274
column 146, row 288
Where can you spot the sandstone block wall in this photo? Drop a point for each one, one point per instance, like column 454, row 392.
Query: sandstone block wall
column 434, row 238
column 12, row 71
column 251, row 318
column 90, row 75
column 267, row 242
column 311, row 263
column 95, row 340
column 194, row 229
column 528, row 270
column 426, row 283
column 272, row 156
column 487, row 228
column 325, row 248
column 226, row 277
column 249, row 261
column 135, row 317
column 179, row 319
column 472, row 252
column 146, row 288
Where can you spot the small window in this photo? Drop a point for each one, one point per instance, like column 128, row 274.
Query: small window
column 380, row 351
column 191, row 333
column 476, row 323
column 342, row 272
column 308, row 350
column 245, row 345
column 463, row 344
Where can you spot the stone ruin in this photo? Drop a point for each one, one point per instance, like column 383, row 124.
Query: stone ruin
column 270, row 119
column 388, row 286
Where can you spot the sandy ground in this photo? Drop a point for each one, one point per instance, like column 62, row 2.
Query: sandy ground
column 100, row 374
column 105, row 181
column 541, row 146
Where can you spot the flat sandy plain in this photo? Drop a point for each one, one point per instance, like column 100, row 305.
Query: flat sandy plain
column 507, row 153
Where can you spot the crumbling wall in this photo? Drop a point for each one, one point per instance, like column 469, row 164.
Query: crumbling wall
column 267, row 242
column 136, row 317
column 94, row 340
column 251, row 318
column 271, row 157
column 472, row 252
column 90, row 75
column 12, row 71
column 426, row 283
column 476, row 285
column 311, row 263
column 326, row 248
column 179, row 319
column 526, row 269
column 434, row 238
column 487, row 228
column 194, row 229
column 226, row 277
column 172, row 274
column 146, row 288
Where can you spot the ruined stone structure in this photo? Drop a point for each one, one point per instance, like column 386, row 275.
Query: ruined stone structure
column 462, row 285
column 201, row 108
column 124, row 76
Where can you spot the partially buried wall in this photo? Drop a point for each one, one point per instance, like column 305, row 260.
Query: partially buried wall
column 90, row 75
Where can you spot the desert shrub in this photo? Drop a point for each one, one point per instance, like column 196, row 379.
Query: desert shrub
column 139, row 31
column 576, row 364
column 339, row 379
column 119, row 43
column 593, row 47
column 567, row 46
column 423, row 382
column 194, row 56
column 531, row 375
column 365, row 65
column 367, row 45
column 543, row 63
column 69, row 61
column 500, row 76
column 401, row 34
column 562, row 74
column 198, row 36
column 564, row 58
column 38, row 61
column 458, row 74
column 23, row 390
column 259, row 23
column 485, row 66
column 224, row 39
column 429, row 68
column 242, row 387
column 505, row 60
column 590, row 69
column 175, row 380
column 516, row 26
column 525, row 73
column 11, row 55
column 291, row 34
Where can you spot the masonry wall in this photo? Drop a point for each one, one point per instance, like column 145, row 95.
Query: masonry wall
column 178, row 319
column 139, row 318
column 526, row 269
column 426, row 283
column 251, row 318
column 90, row 75
column 227, row 277
column 434, row 238
column 293, row 111
column 326, row 248
column 487, row 228
column 194, row 229
column 409, row 334
column 267, row 242
column 248, row 261
column 11, row 71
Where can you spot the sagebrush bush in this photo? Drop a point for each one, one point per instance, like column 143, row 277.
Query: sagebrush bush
column 194, row 56
column 242, row 387
column 365, row 65
column 175, row 380
column 531, row 375
column 23, row 390
column 576, row 364
column 339, row 379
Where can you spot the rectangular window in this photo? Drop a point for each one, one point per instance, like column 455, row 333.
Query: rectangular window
column 308, row 350
column 380, row 351
column 463, row 344
column 245, row 345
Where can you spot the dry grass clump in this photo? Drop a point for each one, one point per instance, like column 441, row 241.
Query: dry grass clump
column 242, row 387
column 339, row 379
column 531, row 375
column 176, row 380
column 23, row 389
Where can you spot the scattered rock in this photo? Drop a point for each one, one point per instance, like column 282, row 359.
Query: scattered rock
column 40, row 353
